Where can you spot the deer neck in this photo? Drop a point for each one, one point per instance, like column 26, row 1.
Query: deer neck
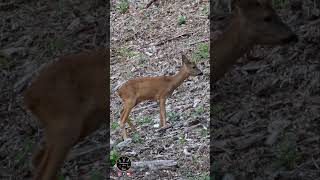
column 178, row 78
column 228, row 47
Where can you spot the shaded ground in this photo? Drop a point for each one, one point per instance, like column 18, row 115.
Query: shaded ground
column 34, row 33
column 267, row 113
column 148, row 42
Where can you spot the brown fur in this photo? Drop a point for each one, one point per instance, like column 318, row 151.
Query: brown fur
column 253, row 22
column 158, row 88
column 69, row 99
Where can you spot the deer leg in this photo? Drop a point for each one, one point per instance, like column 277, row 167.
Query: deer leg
column 38, row 155
column 133, row 128
column 121, row 113
column 55, row 160
column 128, row 121
column 127, row 107
column 162, row 112
column 122, row 124
column 39, row 168
column 58, row 145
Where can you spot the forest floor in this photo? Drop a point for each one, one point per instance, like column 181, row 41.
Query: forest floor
column 267, row 112
column 149, row 42
column 32, row 34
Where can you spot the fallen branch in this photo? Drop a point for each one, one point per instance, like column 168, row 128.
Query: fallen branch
column 83, row 151
column 164, row 128
column 315, row 163
column 173, row 38
column 200, row 41
column 154, row 165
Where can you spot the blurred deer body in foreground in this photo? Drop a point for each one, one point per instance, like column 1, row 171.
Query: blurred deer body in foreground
column 69, row 99
column 254, row 22
column 158, row 88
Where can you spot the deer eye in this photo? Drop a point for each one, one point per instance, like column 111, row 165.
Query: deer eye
column 267, row 19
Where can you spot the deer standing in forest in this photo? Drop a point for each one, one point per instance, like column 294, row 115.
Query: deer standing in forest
column 254, row 22
column 69, row 99
column 158, row 88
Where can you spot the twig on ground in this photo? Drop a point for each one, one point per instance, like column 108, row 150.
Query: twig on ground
column 315, row 163
column 164, row 128
column 83, row 152
column 173, row 38
column 196, row 42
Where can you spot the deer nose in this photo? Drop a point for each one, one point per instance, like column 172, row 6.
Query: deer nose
column 292, row 38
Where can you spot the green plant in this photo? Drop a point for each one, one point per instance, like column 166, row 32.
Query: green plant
column 61, row 8
column 22, row 155
column 217, row 171
column 126, row 52
column 204, row 176
column 122, row 6
column 194, row 159
column 203, row 132
column 182, row 137
column 205, row 10
column 280, row 4
column 142, row 60
column 216, row 110
column 201, row 52
column 144, row 120
column 4, row 62
column 181, row 20
column 136, row 137
column 199, row 110
column 172, row 116
column 55, row 44
column 96, row 175
column 286, row 152
column 114, row 155
column 141, row 7
column 60, row 177
column 129, row 74
column 114, row 125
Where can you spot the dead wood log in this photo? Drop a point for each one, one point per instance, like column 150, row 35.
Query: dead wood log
column 154, row 165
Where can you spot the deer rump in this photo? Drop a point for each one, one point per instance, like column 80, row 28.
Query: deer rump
column 69, row 99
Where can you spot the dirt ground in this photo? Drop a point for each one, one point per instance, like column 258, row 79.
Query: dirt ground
column 149, row 42
column 267, row 113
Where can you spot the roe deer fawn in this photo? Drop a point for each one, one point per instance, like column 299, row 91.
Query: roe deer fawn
column 69, row 98
column 158, row 88
column 254, row 22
